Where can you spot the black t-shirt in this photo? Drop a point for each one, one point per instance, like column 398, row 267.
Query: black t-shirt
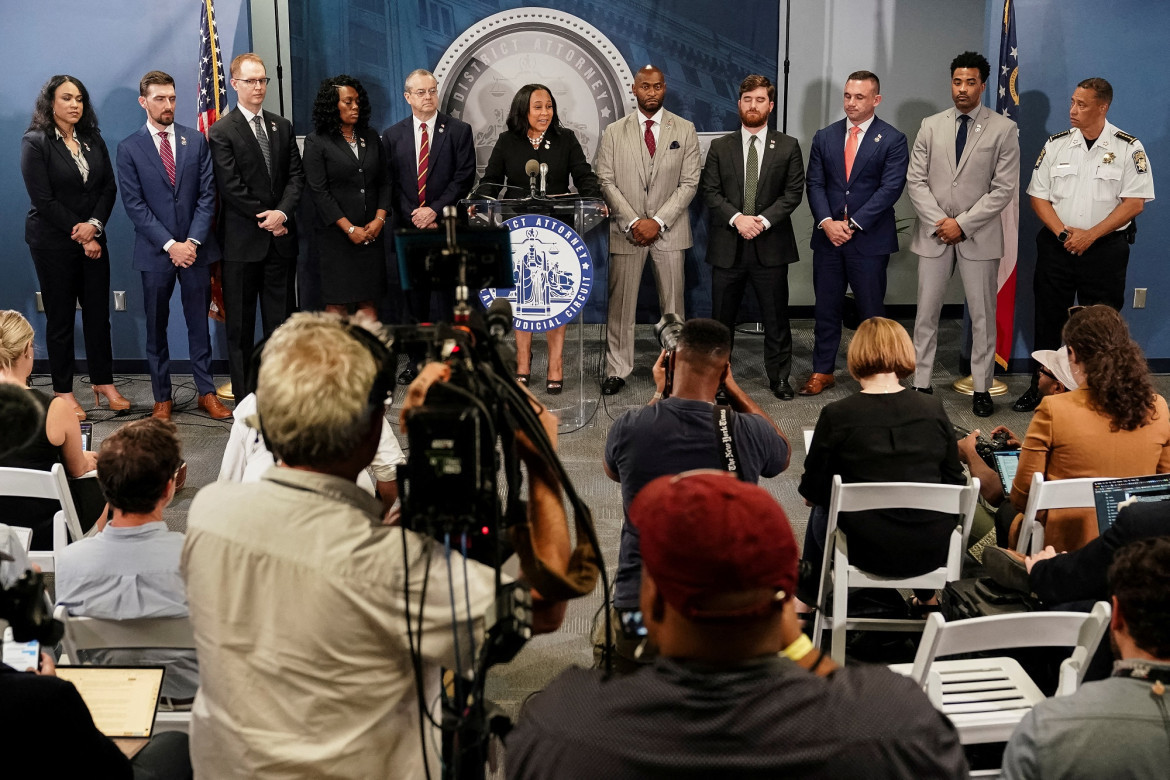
column 764, row 719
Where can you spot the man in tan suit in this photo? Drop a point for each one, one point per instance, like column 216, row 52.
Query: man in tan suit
column 648, row 165
column 964, row 170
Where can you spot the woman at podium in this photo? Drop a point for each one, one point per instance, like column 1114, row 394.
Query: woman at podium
column 535, row 133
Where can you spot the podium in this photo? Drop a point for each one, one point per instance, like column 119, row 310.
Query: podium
column 553, row 275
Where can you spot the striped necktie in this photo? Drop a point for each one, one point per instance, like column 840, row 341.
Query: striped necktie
column 424, row 155
column 168, row 155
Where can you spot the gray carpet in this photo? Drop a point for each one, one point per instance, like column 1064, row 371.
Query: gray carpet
column 581, row 450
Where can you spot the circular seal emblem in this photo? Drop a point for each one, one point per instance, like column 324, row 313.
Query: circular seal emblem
column 486, row 65
column 552, row 274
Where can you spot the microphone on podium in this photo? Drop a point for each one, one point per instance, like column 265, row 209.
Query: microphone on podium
column 532, row 167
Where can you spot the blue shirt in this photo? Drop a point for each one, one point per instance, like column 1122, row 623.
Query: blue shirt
column 670, row 437
column 126, row 573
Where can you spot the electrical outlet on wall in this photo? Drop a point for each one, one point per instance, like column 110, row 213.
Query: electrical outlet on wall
column 1139, row 297
column 119, row 300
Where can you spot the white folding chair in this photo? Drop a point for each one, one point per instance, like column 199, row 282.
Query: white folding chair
column 838, row 576
column 86, row 633
column 54, row 484
column 987, row 697
column 1055, row 494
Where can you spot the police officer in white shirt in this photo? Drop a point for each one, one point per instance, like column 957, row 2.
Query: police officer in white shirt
column 1088, row 185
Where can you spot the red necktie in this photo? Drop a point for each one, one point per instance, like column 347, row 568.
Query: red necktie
column 650, row 145
column 851, row 149
column 424, row 153
column 168, row 155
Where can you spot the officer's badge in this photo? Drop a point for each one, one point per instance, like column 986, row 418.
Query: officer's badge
column 1043, row 151
column 1140, row 162
column 1108, row 158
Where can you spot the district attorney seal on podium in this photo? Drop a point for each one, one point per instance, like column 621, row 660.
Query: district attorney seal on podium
column 483, row 69
column 552, row 274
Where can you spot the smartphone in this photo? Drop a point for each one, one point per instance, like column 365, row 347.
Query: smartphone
column 21, row 656
column 86, row 434
column 632, row 625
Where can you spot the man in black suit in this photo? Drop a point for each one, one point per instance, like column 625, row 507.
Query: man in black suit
column 431, row 158
column 752, row 181
column 258, row 172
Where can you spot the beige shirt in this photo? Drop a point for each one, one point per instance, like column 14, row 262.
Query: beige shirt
column 296, row 597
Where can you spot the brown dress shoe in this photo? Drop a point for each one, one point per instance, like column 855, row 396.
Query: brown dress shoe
column 817, row 383
column 162, row 410
column 211, row 404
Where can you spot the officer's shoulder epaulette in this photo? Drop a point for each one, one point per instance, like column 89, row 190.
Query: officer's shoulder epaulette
column 1129, row 139
column 1061, row 134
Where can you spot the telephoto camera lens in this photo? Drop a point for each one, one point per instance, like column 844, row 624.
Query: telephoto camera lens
column 667, row 331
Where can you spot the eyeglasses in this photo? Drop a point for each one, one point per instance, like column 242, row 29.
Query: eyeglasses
column 422, row 93
column 253, row 82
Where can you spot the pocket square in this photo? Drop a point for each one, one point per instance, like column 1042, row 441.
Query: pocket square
column 674, row 145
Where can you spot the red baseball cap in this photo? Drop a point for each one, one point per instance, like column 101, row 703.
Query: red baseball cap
column 706, row 534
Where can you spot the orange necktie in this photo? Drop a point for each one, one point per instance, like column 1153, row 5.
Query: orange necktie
column 851, row 149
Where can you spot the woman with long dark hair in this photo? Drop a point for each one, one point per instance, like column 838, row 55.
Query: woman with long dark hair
column 1113, row 425
column 70, row 181
column 346, row 172
column 535, row 133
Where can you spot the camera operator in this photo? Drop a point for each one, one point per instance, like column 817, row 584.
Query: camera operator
column 1055, row 377
column 296, row 589
column 679, row 431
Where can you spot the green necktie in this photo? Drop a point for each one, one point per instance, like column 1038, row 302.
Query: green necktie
column 750, row 179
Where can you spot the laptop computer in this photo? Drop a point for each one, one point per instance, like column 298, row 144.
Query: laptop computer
column 1007, row 462
column 122, row 700
column 1113, row 495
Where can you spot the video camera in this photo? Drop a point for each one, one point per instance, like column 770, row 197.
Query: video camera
column 24, row 606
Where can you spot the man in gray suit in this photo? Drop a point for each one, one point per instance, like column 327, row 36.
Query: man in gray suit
column 648, row 165
column 964, row 170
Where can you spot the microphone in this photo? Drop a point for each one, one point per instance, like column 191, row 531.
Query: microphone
column 532, row 167
column 543, row 174
column 499, row 319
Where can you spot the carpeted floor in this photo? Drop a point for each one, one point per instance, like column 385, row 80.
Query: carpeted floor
column 581, row 450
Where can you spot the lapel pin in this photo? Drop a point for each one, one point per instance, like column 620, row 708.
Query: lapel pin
column 273, row 125
column 442, row 128
column 83, row 143
column 878, row 138
column 772, row 144
column 978, row 128
column 182, row 140
column 547, row 145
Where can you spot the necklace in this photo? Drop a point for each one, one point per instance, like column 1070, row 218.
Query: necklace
column 350, row 138
column 536, row 141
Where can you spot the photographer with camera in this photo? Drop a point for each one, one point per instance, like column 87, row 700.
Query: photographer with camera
column 300, row 596
column 975, row 451
column 682, row 429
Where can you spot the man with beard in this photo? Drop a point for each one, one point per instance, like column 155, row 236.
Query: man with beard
column 752, row 181
column 648, row 165
column 854, row 179
column 168, row 190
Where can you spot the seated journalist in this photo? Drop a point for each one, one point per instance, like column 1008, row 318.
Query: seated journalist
column 736, row 689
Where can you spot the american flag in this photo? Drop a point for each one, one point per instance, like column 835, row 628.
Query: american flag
column 1007, row 102
column 212, row 100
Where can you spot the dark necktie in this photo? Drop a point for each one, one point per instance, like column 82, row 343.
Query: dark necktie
column 961, row 137
column 650, row 144
column 262, row 137
column 168, row 155
column 751, row 178
column 424, row 158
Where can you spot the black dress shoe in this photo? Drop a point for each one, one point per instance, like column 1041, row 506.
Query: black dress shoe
column 1028, row 401
column 981, row 404
column 782, row 390
column 612, row 385
column 407, row 376
column 928, row 389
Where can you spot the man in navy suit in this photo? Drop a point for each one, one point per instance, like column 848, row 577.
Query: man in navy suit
column 260, row 179
column 168, row 190
column 431, row 157
column 854, row 179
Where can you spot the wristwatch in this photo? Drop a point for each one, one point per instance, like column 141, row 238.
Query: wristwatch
column 1063, row 236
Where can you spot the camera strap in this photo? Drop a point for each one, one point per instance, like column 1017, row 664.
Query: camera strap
column 724, row 418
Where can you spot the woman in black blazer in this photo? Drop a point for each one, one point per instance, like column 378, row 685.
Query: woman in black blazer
column 535, row 133
column 70, row 181
column 346, row 172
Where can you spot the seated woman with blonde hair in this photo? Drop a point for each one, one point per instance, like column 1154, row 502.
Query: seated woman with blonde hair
column 58, row 442
column 885, row 433
column 1112, row 425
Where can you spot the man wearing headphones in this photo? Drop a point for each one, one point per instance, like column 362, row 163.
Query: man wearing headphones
column 299, row 594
